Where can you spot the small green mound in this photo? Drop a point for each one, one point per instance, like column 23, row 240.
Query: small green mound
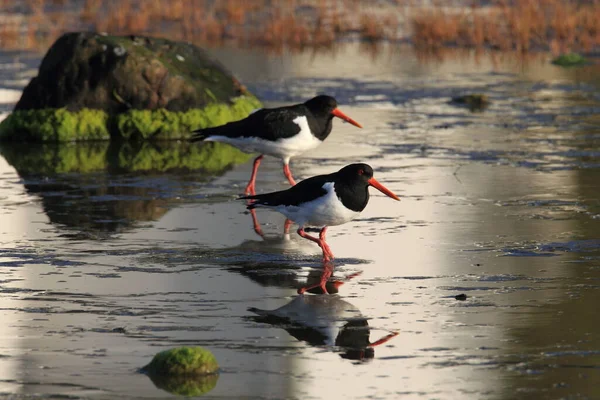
column 569, row 60
column 61, row 125
column 184, row 385
column 182, row 361
column 475, row 102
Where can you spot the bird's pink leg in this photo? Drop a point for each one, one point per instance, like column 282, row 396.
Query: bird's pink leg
column 327, row 271
column 286, row 226
column 256, row 224
column 324, row 244
column 250, row 188
column 327, row 255
column 288, row 173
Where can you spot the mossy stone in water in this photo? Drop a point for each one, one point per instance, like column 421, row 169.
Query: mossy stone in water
column 183, row 361
column 475, row 101
column 55, row 125
column 62, row 125
column 569, row 60
column 96, row 87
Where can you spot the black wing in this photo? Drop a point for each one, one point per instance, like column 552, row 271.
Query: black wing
column 303, row 192
column 267, row 123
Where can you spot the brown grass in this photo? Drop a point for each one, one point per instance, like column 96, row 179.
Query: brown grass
column 291, row 24
column 522, row 25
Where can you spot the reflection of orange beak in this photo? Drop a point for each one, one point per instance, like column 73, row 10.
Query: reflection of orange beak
column 383, row 339
column 336, row 112
column 373, row 182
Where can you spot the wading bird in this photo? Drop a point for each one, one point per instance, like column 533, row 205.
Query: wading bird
column 282, row 132
column 323, row 201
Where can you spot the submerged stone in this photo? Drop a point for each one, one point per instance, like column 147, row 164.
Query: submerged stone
column 96, row 87
column 182, row 361
column 475, row 101
column 61, row 125
column 185, row 371
column 569, row 60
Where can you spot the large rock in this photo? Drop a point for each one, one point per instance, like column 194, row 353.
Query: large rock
column 115, row 74
column 91, row 86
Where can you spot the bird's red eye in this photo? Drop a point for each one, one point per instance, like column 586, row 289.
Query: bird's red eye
column 361, row 171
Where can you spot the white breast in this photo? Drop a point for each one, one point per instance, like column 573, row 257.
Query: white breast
column 327, row 210
column 281, row 148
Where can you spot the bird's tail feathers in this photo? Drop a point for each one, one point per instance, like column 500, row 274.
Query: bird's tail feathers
column 257, row 200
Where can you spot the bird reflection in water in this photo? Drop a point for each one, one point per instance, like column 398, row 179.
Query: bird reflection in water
column 258, row 228
column 326, row 321
column 319, row 278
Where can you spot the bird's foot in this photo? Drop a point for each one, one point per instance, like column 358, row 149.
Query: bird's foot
column 319, row 285
column 250, row 190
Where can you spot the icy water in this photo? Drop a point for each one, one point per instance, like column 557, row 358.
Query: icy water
column 488, row 269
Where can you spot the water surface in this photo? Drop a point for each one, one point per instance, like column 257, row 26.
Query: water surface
column 102, row 269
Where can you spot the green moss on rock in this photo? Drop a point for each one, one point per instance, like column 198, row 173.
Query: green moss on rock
column 61, row 125
column 55, row 125
column 569, row 60
column 184, row 371
column 183, row 361
column 166, row 125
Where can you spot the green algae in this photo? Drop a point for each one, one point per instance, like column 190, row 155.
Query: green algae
column 183, row 361
column 185, row 371
column 569, row 60
column 61, row 125
column 55, row 125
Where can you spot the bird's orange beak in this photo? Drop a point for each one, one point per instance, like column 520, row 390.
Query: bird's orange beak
column 336, row 112
column 373, row 182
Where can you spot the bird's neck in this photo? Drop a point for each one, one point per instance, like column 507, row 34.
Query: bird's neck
column 353, row 197
column 321, row 127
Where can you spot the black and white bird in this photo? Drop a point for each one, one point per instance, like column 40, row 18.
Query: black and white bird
column 324, row 200
column 283, row 132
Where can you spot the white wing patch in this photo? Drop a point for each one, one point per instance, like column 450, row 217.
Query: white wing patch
column 327, row 210
column 281, row 148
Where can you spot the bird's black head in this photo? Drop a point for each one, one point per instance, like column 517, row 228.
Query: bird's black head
column 325, row 107
column 321, row 105
column 357, row 178
column 357, row 173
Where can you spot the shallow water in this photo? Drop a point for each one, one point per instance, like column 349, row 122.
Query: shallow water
column 99, row 271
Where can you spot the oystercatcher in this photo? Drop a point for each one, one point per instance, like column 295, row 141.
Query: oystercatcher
column 323, row 201
column 282, row 132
